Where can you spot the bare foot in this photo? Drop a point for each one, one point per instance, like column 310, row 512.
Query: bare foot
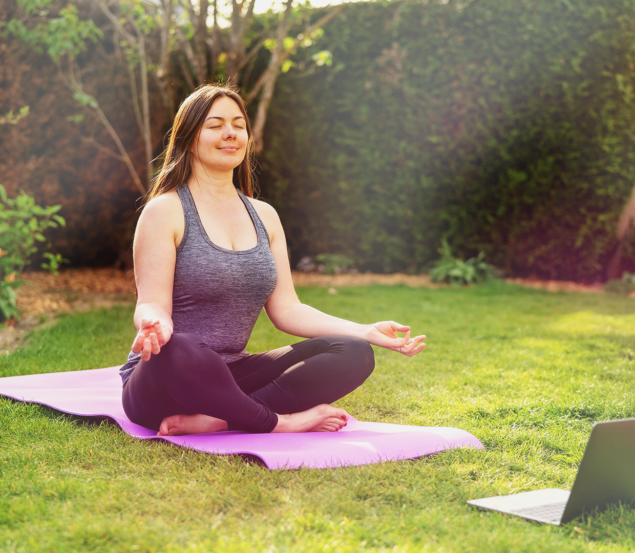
column 180, row 425
column 323, row 418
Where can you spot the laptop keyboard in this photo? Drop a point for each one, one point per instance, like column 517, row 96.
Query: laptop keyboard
column 552, row 511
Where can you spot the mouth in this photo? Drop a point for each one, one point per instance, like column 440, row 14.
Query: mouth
column 229, row 149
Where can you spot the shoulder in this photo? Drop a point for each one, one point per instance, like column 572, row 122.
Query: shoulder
column 163, row 208
column 164, row 205
column 268, row 215
column 164, row 212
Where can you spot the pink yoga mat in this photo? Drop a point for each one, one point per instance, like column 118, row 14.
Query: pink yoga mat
column 97, row 393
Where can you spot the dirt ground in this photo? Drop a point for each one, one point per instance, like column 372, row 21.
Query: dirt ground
column 85, row 289
column 415, row 281
column 43, row 295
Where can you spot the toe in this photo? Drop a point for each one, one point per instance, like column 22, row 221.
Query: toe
column 163, row 429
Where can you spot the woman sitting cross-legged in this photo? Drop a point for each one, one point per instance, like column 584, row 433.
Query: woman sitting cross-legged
column 208, row 257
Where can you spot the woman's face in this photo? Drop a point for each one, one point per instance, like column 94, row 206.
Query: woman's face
column 222, row 141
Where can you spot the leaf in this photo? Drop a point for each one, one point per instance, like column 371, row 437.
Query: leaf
column 85, row 99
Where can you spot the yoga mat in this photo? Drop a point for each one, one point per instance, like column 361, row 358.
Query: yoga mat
column 97, row 393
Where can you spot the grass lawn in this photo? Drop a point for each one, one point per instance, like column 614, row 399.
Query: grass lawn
column 527, row 372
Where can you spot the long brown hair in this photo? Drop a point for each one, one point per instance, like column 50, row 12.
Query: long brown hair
column 177, row 165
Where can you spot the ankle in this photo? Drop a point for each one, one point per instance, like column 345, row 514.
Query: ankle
column 283, row 424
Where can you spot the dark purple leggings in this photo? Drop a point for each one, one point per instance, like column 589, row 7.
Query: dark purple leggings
column 188, row 378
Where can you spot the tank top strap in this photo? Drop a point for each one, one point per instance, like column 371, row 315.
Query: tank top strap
column 189, row 214
column 189, row 207
column 263, row 235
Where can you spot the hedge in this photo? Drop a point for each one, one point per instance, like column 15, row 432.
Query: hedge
column 505, row 126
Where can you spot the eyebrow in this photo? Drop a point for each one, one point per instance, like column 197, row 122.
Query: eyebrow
column 222, row 118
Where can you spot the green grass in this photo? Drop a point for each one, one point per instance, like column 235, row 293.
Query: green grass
column 526, row 371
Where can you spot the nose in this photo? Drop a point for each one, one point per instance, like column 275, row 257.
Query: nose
column 229, row 132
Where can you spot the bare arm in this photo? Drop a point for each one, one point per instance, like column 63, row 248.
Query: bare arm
column 159, row 230
column 289, row 315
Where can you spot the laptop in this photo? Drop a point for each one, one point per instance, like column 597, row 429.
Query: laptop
column 606, row 475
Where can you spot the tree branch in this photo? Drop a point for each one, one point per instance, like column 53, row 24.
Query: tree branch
column 90, row 140
column 135, row 98
column 120, row 147
column 272, row 74
column 186, row 47
column 116, row 23
column 284, row 55
column 75, row 86
column 253, row 52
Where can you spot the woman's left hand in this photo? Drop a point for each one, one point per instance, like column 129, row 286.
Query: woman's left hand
column 384, row 334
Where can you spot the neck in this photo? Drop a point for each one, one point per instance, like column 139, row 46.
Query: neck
column 209, row 183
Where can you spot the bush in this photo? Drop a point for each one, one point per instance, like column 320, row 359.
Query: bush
column 625, row 285
column 456, row 271
column 333, row 263
column 22, row 224
column 504, row 125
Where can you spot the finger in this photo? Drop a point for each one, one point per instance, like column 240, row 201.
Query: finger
column 158, row 329
column 154, row 342
column 406, row 338
column 418, row 349
column 399, row 327
column 147, row 324
column 407, row 349
column 419, row 339
column 145, row 332
column 147, row 350
column 137, row 344
column 414, row 344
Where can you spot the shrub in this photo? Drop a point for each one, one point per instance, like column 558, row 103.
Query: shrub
column 456, row 271
column 333, row 263
column 22, row 224
column 625, row 285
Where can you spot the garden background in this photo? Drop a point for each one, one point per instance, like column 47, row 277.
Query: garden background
column 495, row 126
column 503, row 126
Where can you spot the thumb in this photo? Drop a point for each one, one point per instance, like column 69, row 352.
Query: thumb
column 147, row 323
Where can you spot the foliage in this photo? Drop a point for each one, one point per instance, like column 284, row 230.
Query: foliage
column 54, row 262
column 333, row 263
column 63, row 34
column 527, row 372
column 505, row 126
column 22, row 226
column 456, row 271
column 13, row 118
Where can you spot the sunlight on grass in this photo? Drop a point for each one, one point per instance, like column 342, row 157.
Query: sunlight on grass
column 525, row 371
column 589, row 322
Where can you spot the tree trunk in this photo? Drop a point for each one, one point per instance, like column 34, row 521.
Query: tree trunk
column 145, row 105
column 627, row 220
column 200, row 41
column 267, row 81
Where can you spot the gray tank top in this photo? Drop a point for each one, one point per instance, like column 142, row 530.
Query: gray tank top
column 218, row 293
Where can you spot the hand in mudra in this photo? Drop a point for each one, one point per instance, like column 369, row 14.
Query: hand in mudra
column 384, row 334
column 151, row 336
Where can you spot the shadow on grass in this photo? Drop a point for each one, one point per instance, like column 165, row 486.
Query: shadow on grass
column 108, row 422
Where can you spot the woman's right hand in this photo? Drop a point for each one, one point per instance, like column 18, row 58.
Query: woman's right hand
column 151, row 337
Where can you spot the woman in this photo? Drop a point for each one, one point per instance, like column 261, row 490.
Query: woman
column 208, row 257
